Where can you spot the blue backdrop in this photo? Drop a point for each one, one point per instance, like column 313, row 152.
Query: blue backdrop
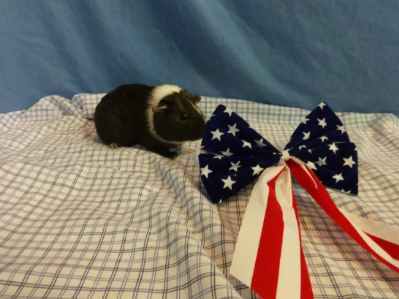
column 290, row 53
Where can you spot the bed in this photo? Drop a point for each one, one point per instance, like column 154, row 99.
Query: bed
column 82, row 220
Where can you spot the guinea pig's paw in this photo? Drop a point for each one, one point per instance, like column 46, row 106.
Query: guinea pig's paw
column 188, row 150
column 113, row 145
column 170, row 154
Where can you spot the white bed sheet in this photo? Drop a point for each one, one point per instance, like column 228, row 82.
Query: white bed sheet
column 80, row 220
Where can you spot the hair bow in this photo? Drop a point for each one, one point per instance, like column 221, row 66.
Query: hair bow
column 268, row 255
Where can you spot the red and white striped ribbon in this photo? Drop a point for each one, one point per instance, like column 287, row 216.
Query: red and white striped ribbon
column 268, row 255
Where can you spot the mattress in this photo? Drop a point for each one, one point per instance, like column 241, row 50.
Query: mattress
column 82, row 220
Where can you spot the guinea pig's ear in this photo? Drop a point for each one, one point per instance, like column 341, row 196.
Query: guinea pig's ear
column 192, row 97
column 162, row 106
column 156, row 109
column 196, row 99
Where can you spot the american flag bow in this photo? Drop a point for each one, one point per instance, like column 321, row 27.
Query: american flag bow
column 268, row 255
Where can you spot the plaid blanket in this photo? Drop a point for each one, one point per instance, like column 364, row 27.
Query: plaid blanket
column 81, row 220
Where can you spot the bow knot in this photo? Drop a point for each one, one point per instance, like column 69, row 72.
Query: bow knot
column 285, row 155
column 234, row 155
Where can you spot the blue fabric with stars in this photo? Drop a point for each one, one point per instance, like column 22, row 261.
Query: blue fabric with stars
column 234, row 155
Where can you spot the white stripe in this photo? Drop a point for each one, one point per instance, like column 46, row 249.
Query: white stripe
column 246, row 250
column 289, row 281
column 381, row 252
column 375, row 228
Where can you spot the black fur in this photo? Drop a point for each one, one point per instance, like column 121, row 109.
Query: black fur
column 121, row 118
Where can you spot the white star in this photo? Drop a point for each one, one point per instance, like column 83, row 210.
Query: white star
column 257, row 170
column 323, row 138
column 306, row 137
column 349, row 162
column 218, row 157
column 260, row 142
column 338, row 177
column 322, row 122
column 220, row 201
column 235, row 166
column 216, row 134
column 246, row 144
column 233, row 130
column 229, row 111
column 310, row 150
column 346, row 191
column 311, row 165
column 227, row 152
column 228, row 183
column 322, row 105
column 341, row 128
column 321, row 161
column 305, row 120
column 333, row 147
column 302, row 146
column 205, row 171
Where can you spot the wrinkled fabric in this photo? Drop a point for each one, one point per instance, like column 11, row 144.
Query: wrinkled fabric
column 81, row 220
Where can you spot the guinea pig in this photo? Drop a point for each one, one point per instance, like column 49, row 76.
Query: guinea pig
column 160, row 118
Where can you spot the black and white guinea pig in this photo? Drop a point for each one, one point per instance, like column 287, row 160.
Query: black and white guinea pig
column 160, row 118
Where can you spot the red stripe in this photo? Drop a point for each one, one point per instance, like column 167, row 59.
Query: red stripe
column 391, row 248
column 306, row 287
column 267, row 265
column 321, row 196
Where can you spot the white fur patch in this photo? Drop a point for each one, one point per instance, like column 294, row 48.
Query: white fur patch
column 157, row 94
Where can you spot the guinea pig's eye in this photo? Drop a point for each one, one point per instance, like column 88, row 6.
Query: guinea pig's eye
column 183, row 116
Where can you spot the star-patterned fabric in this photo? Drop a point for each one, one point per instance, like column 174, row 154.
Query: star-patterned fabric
column 234, row 155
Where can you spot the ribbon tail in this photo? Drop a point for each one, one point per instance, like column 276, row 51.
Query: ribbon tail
column 387, row 237
column 306, row 286
column 268, row 255
column 379, row 239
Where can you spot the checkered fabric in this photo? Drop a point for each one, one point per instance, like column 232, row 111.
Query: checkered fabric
column 81, row 220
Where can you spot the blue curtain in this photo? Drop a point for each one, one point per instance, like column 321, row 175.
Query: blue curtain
column 290, row 53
